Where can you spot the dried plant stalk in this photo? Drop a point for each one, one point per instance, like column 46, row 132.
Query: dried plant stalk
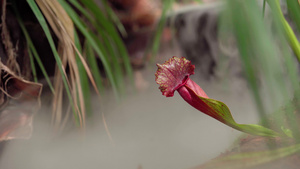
column 63, row 27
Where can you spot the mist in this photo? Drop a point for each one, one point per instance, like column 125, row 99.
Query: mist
column 148, row 131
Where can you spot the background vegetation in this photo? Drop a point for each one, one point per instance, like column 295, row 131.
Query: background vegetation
column 85, row 38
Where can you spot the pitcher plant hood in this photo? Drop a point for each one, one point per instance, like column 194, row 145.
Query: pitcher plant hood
column 174, row 75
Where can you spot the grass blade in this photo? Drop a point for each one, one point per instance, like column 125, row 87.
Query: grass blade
column 112, row 32
column 289, row 33
column 33, row 51
column 114, row 18
column 250, row 159
column 294, row 11
column 81, row 26
column 91, row 58
column 32, row 65
column 167, row 4
column 261, row 59
column 85, row 86
column 44, row 26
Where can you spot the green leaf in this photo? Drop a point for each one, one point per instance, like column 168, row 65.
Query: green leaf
column 294, row 11
column 221, row 112
column 290, row 35
column 88, row 49
column 32, row 51
column 44, row 26
column 287, row 132
column 89, row 36
column 105, row 45
column 114, row 18
column 32, row 64
column 167, row 4
column 91, row 59
column 250, row 159
column 265, row 56
column 84, row 80
column 111, row 31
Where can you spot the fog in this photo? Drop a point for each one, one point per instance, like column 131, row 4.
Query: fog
column 148, row 131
